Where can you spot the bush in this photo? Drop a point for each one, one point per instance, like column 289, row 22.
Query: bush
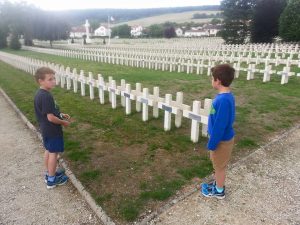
column 3, row 42
column 14, row 42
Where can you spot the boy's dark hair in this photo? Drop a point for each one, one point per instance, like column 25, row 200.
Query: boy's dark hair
column 40, row 73
column 224, row 73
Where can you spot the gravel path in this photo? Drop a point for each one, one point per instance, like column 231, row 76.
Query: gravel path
column 24, row 198
column 263, row 188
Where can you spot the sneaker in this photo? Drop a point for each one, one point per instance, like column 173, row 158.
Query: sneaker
column 57, row 181
column 208, row 185
column 59, row 173
column 212, row 192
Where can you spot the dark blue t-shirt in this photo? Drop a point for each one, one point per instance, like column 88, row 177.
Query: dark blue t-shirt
column 44, row 104
column 221, row 119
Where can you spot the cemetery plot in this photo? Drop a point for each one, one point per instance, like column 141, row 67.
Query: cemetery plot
column 199, row 59
column 143, row 99
column 130, row 165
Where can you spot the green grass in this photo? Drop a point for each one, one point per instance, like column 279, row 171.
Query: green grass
column 129, row 165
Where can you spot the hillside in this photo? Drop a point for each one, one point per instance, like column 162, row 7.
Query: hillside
column 77, row 17
column 171, row 17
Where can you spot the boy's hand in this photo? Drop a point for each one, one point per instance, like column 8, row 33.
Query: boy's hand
column 65, row 116
column 65, row 123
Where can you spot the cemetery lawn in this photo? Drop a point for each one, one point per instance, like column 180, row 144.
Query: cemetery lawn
column 130, row 166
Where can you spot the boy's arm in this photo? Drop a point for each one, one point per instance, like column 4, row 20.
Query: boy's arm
column 222, row 118
column 56, row 120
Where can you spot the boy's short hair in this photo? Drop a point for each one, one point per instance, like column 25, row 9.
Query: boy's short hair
column 224, row 73
column 41, row 72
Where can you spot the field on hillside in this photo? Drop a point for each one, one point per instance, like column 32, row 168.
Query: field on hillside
column 172, row 17
column 130, row 166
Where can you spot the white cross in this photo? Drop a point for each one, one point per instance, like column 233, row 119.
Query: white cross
column 137, row 92
column 198, row 115
column 128, row 97
column 75, row 80
column 91, row 83
column 68, row 76
column 285, row 73
column 122, row 89
column 168, row 111
column 267, row 72
column 101, row 87
column 146, row 101
column 155, row 98
column 251, row 70
column 82, row 80
column 114, row 92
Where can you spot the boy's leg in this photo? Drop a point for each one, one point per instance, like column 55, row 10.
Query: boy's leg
column 51, row 157
column 53, row 179
column 220, row 158
column 52, row 163
column 46, row 158
column 220, row 175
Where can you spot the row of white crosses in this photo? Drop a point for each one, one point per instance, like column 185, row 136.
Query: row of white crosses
column 143, row 99
column 267, row 72
column 185, row 62
column 251, row 69
column 198, row 44
column 191, row 46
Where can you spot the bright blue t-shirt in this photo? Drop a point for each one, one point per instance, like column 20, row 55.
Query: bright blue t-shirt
column 221, row 119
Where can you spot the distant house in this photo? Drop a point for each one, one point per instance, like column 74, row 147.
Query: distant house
column 207, row 30
column 212, row 29
column 136, row 31
column 78, row 32
column 196, row 33
column 102, row 31
column 179, row 32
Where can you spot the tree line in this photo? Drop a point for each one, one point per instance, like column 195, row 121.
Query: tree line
column 257, row 21
column 22, row 19
column 260, row 21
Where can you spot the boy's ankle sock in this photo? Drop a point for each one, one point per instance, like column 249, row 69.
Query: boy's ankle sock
column 219, row 190
column 51, row 178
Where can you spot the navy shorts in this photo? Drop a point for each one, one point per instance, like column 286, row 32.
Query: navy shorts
column 54, row 144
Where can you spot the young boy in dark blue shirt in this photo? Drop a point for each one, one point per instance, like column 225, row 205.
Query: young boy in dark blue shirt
column 50, row 121
column 220, row 129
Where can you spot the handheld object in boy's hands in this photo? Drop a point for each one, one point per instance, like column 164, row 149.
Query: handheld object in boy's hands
column 64, row 116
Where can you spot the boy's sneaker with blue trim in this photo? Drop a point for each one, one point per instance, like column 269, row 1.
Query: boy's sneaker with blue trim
column 57, row 181
column 211, row 191
column 59, row 173
column 208, row 185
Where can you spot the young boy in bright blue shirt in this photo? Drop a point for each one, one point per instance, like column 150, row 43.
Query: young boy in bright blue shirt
column 220, row 129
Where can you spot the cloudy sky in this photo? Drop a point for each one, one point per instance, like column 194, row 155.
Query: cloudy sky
column 84, row 4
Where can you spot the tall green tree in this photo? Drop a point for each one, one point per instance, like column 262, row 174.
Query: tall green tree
column 14, row 42
column 169, row 32
column 50, row 28
column 122, row 31
column 156, row 31
column 3, row 35
column 289, row 25
column 265, row 23
column 237, row 15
